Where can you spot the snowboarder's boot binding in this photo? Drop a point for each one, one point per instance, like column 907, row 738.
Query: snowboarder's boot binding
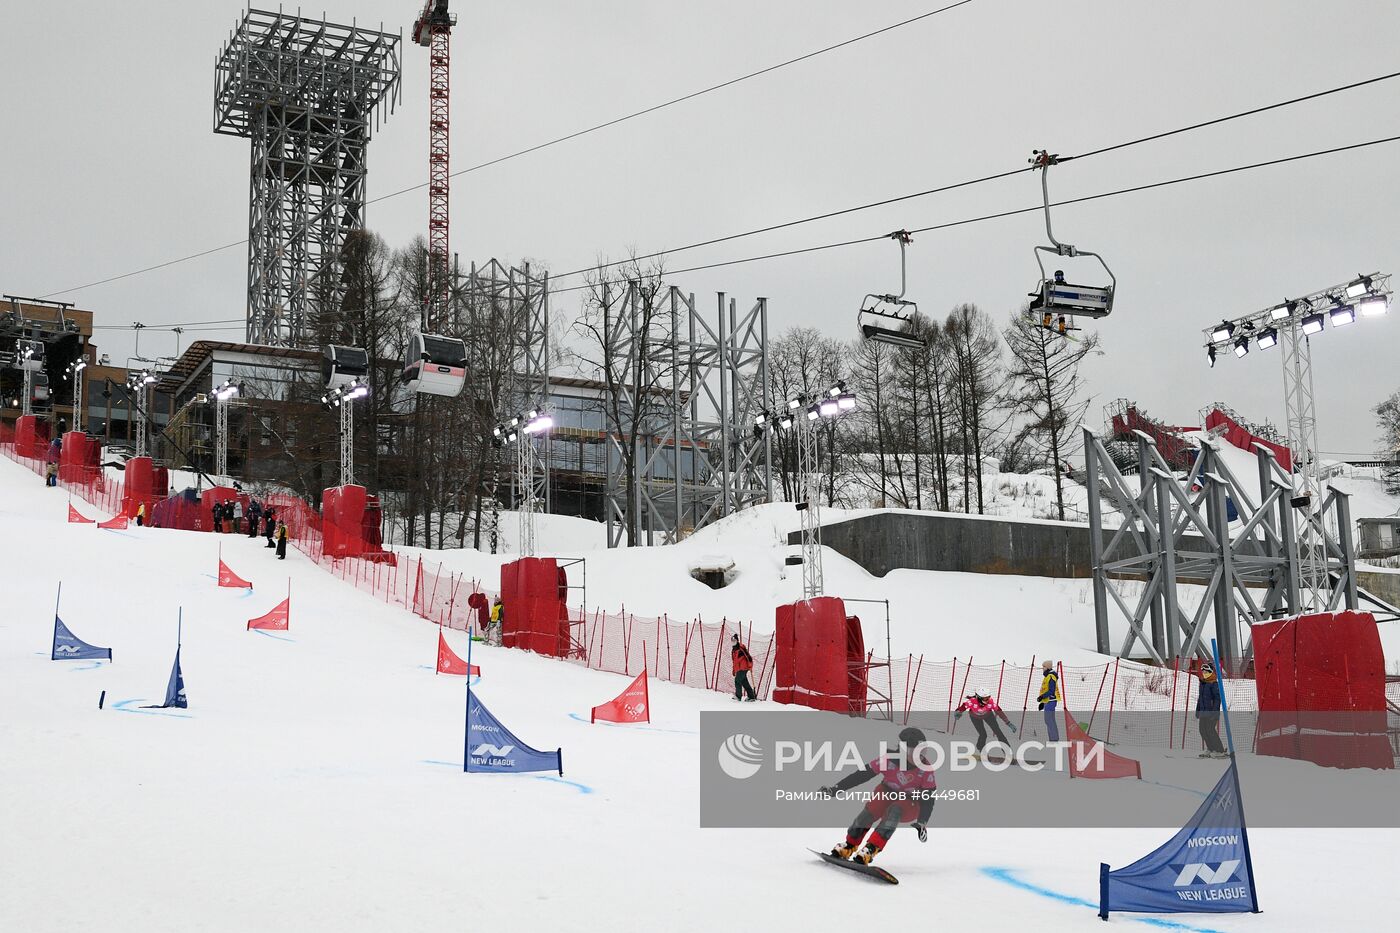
column 844, row 850
column 866, row 854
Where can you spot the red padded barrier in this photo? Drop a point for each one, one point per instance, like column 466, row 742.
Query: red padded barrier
column 73, row 461
column 31, row 437
column 138, row 485
column 536, row 617
column 785, row 660
column 342, row 513
column 1321, row 686
column 857, row 672
column 220, row 495
column 817, row 646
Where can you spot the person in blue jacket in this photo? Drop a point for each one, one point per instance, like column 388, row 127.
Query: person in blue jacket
column 1208, row 712
column 1049, row 698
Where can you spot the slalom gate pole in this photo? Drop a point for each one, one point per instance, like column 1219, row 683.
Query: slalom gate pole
column 1239, row 793
column 1026, row 700
column 467, row 727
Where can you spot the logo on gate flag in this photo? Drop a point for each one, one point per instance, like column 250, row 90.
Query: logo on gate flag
column 277, row 620
column 491, row 747
column 228, row 578
column 631, row 705
column 69, row 647
column 1205, row 868
column 449, row 663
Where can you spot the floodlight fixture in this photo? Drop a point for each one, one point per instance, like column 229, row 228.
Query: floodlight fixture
column 1360, row 287
column 785, row 421
column 828, row 408
column 1374, row 306
column 1224, row 331
column 760, row 419
column 1312, row 324
column 837, row 388
column 813, row 414
column 846, row 401
column 1342, row 315
column 794, row 403
column 1242, row 347
column 1281, row 312
column 1268, row 338
column 1210, row 355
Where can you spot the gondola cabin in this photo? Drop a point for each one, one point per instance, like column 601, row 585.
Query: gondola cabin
column 435, row 365
column 341, row 366
column 30, row 355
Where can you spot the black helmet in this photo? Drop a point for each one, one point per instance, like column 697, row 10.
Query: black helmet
column 911, row 737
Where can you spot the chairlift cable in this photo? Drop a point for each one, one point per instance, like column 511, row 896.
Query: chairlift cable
column 1011, row 213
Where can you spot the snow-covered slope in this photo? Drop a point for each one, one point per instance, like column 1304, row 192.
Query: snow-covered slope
column 314, row 783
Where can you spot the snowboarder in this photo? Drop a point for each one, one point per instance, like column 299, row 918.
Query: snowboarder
column 1049, row 698
column 905, row 795
column 281, row 540
column 1208, row 713
column 269, row 525
column 742, row 664
column 984, row 712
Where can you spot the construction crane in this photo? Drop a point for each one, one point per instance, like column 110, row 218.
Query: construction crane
column 432, row 30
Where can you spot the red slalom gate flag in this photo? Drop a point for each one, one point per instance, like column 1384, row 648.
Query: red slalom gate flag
column 449, row 663
column 631, row 705
column 277, row 620
column 229, row 578
column 78, row 518
column 116, row 523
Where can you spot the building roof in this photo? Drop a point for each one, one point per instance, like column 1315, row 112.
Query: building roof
column 201, row 351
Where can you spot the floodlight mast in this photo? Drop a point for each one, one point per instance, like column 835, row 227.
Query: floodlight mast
column 1289, row 324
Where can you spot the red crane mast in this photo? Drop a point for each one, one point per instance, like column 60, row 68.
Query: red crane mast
column 433, row 29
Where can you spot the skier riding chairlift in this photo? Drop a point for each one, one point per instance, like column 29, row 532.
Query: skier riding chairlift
column 886, row 318
column 1054, row 299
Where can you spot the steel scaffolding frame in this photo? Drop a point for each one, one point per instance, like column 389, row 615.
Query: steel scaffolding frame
column 684, row 393
column 307, row 93
column 1179, row 530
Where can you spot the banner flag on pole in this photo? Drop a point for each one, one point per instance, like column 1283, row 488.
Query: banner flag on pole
column 1205, row 868
column 276, row 620
column 449, row 663
column 175, row 690
column 491, row 747
column 69, row 647
column 115, row 523
column 78, row 518
column 228, row 578
column 631, row 705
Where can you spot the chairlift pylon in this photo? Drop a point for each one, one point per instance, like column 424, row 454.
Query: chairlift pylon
column 887, row 318
column 1055, row 299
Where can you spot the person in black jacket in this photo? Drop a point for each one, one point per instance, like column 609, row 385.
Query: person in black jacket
column 269, row 525
column 1208, row 713
column 254, row 515
column 217, row 511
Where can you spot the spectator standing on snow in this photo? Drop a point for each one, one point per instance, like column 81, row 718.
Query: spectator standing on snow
column 983, row 711
column 236, row 516
column 1208, row 713
column 498, row 619
column 742, row 663
column 1049, row 698
column 269, row 525
column 254, row 516
column 141, row 515
column 218, row 513
column 281, row 540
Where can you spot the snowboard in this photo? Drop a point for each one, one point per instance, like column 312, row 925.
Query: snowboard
column 869, row 871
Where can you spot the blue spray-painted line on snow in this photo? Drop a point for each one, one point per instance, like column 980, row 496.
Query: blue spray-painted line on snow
column 631, row 728
column 123, row 706
column 581, row 788
column 1005, row 876
column 1190, row 790
column 124, row 534
column 88, row 667
column 429, row 667
column 266, row 634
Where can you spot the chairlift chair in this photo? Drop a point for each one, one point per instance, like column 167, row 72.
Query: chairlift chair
column 435, row 365
column 340, row 366
column 1053, row 295
column 887, row 318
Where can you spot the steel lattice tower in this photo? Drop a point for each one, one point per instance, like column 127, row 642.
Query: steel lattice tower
column 306, row 92
column 433, row 29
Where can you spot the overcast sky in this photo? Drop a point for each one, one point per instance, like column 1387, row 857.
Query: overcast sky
column 108, row 163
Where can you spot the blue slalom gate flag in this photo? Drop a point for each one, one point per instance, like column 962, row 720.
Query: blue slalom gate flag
column 69, row 647
column 493, row 748
column 175, row 690
column 1205, row 868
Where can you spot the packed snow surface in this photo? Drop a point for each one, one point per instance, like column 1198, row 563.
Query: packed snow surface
column 315, row 782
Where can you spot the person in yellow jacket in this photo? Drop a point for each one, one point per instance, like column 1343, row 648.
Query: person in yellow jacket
column 1049, row 698
column 498, row 612
column 141, row 515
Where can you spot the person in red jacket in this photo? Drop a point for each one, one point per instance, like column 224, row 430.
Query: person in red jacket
column 984, row 712
column 743, row 663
